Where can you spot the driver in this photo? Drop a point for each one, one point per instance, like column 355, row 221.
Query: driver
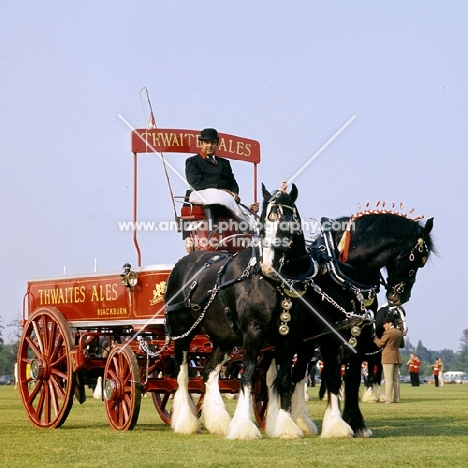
column 213, row 183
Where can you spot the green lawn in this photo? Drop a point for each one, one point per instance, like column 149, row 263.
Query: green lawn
column 429, row 427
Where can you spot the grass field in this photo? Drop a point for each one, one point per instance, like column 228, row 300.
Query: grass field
column 428, row 428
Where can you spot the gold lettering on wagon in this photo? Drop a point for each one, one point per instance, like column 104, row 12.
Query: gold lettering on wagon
column 112, row 311
column 104, row 292
column 158, row 293
column 77, row 294
column 173, row 140
column 70, row 295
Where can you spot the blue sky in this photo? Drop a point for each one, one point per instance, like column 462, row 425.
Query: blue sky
column 288, row 74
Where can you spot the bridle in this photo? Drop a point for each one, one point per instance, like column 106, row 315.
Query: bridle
column 279, row 218
column 416, row 258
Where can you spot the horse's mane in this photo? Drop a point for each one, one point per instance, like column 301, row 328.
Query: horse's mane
column 383, row 224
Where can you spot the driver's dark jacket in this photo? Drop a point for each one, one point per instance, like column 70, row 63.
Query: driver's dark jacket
column 202, row 174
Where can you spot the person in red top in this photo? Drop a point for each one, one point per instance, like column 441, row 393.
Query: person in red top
column 414, row 364
column 437, row 371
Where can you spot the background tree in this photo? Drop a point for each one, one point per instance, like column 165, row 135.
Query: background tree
column 8, row 351
column 1, row 335
column 464, row 340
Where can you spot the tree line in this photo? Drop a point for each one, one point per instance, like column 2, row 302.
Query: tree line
column 453, row 361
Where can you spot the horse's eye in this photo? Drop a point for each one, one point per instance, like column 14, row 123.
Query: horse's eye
column 272, row 216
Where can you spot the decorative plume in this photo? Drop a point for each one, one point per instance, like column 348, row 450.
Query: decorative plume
column 382, row 210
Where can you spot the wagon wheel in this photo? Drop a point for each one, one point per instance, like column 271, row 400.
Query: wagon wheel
column 122, row 388
column 163, row 404
column 45, row 368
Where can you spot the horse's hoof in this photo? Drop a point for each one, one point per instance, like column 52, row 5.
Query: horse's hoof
column 243, row 429
column 363, row 433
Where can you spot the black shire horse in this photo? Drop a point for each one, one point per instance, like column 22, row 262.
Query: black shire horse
column 340, row 305
column 226, row 297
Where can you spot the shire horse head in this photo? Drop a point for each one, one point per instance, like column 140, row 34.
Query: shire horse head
column 402, row 269
column 282, row 237
column 392, row 241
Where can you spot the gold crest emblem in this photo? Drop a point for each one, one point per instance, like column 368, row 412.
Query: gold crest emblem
column 158, row 293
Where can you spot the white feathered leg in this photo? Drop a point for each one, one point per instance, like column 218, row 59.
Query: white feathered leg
column 377, row 393
column 242, row 426
column 184, row 418
column 215, row 414
column 299, row 412
column 273, row 406
column 279, row 423
column 368, row 396
column 333, row 425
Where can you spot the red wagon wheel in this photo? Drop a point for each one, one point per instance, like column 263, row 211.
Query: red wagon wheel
column 163, row 404
column 45, row 369
column 122, row 388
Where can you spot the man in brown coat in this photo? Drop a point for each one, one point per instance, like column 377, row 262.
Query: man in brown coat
column 392, row 340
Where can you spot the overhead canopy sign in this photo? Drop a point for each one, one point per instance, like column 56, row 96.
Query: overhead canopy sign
column 186, row 141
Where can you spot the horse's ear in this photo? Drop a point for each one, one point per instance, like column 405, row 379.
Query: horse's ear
column 428, row 226
column 266, row 193
column 294, row 193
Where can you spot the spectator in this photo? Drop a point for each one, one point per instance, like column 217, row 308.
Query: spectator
column 437, row 372
column 414, row 364
column 391, row 342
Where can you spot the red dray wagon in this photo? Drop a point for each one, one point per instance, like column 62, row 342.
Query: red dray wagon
column 111, row 325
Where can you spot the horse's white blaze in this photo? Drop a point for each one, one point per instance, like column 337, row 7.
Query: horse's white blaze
column 299, row 411
column 333, row 425
column 215, row 414
column 184, row 419
column 241, row 426
column 269, row 238
column 268, row 252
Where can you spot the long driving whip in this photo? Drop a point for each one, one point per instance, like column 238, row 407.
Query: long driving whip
column 151, row 125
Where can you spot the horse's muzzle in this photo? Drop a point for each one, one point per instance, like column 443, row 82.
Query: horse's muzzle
column 268, row 270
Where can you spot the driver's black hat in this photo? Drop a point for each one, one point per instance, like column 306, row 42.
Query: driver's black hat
column 209, row 134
